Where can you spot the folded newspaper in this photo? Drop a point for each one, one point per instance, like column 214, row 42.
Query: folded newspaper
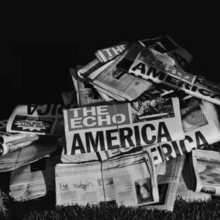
column 34, row 180
column 26, row 155
column 125, row 180
column 189, row 195
column 168, row 184
column 10, row 142
column 109, row 127
column 206, row 166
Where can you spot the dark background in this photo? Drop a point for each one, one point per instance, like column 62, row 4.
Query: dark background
column 39, row 65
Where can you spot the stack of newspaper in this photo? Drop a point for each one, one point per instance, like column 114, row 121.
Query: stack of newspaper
column 30, row 158
column 126, row 129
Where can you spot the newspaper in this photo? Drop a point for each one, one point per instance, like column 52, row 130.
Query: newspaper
column 42, row 119
column 34, row 180
column 85, row 92
column 10, row 142
column 166, row 45
column 148, row 67
column 109, row 127
column 124, row 180
column 3, row 124
column 118, row 82
column 16, row 141
column 206, row 166
column 130, row 180
column 110, row 53
column 189, row 195
column 168, row 184
column 200, row 131
column 26, row 155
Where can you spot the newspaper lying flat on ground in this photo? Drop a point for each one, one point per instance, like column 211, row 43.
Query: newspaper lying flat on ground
column 34, row 180
column 42, row 119
column 125, row 180
column 200, row 130
column 108, row 127
column 148, row 67
column 166, row 45
column 168, row 184
column 206, row 166
column 189, row 195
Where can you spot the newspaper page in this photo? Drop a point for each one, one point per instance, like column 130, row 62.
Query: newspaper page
column 166, row 45
column 148, row 67
column 168, row 184
column 200, row 130
column 110, row 53
column 86, row 94
column 26, row 155
column 128, row 180
column 119, row 82
column 42, row 119
column 34, row 180
column 189, row 195
column 79, row 183
column 109, row 127
column 206, row 165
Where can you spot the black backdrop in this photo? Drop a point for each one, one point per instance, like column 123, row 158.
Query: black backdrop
column 38, row 67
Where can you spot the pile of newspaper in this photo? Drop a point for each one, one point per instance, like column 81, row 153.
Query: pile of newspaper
column 135, row 130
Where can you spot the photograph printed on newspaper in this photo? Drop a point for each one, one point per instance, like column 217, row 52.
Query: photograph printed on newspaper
column 109, row 127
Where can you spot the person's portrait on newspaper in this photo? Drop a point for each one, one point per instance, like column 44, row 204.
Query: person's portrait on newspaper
column 143, row 190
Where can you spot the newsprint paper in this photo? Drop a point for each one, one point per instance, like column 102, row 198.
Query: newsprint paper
column 147, row 66
column 125, row 180
column 200, row 130
column 108, row 127
column 168, row 184
column 42, row 119
column 206, row 165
